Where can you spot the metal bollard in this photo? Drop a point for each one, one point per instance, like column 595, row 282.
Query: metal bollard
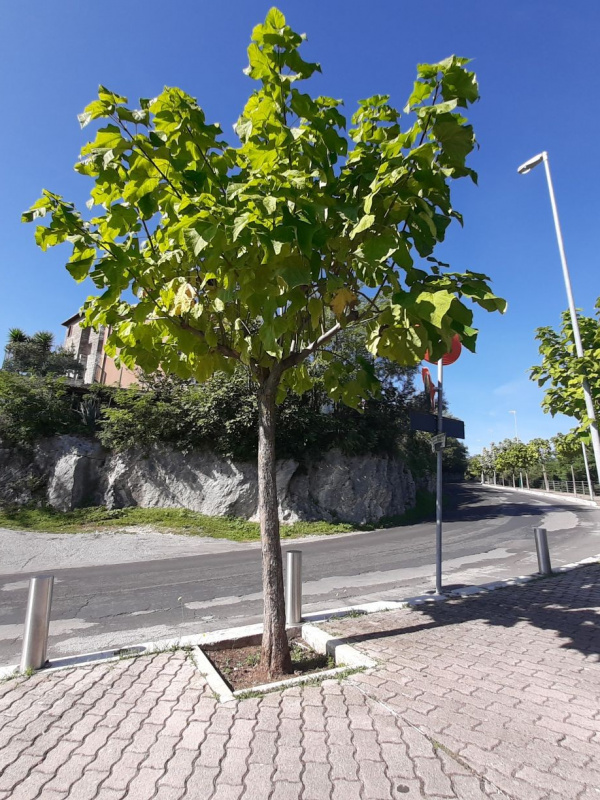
column 293, row 588
column 35, row 640
column 543, row 553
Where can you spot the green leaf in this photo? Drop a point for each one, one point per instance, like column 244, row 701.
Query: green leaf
column 108, row 138
column 315, row 309
column 80, row 264
column 305, row 236
column 433, row 306
column 295, row 272
column 379, row 248
column 458, row 82
column 260, row 67
column 106, row 96
column 270, row 204
column 363, row 224
column 261, row 243
column 194, row 241
column 240, row 223
column 275, row 19
column 402, row 255
column 457, row 140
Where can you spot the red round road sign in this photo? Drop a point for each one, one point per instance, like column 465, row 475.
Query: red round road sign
column 452, row 356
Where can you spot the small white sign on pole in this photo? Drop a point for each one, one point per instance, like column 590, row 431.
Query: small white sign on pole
column 438, row 442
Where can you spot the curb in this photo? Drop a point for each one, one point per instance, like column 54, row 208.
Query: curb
column 344, row 655
column 250, row 634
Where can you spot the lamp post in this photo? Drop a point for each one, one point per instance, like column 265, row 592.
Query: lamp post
column 589, row 405
column 516, row 431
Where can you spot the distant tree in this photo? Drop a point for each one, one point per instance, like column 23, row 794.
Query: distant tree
column 16, row 335
column 475, row 467
column 540, row 453
column 561, row 371
column 455, row 457
column 488, row 460
column 36, row 355
column 512, row 457
column 569, row 455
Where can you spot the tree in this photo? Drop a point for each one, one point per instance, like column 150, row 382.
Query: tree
column 511, row 456
column 455, row 458
column 259, row 253
column 540, row 452
column 32, row 408
column 569, row 455
column 16, row 335
column 562, row 371
column 488, row 460
column 475, row 467
column 36, row 355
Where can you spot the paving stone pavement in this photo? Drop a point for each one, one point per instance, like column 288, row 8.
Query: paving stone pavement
column 487, row 697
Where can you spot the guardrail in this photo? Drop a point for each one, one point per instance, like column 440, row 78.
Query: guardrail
column 574, row 488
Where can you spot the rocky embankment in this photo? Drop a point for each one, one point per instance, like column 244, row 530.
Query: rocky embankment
column 69, row 472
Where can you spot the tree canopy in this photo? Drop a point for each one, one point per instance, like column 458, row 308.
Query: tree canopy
column 244, row 252
column 554, row 457
column 36, row 355
column 561, row 372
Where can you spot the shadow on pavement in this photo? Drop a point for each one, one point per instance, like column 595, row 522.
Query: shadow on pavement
column 469, row 503
column 567, row 603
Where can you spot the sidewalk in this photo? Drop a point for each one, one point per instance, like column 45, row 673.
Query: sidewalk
column 496, row 695
column 582, row 499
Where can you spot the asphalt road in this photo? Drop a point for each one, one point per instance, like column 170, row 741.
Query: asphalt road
column 487, row 536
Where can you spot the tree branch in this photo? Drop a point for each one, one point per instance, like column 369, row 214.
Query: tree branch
column 140, row 149
column 297, row 358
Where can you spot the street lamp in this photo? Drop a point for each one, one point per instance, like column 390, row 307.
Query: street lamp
column 523, row 170
column 516, row 432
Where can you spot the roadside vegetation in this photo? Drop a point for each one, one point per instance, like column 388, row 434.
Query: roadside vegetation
column 559, row 458
column 221, row 415
column 189, row 523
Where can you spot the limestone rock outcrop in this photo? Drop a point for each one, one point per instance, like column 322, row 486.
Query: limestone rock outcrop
column 69, row 472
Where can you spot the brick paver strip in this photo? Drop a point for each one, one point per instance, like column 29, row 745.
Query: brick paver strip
column 495, row 695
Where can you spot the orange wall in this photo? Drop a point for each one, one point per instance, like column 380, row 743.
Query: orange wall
column 115, row 376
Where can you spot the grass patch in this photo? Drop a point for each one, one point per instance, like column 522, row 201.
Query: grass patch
column 189, row 523
column 172, row 520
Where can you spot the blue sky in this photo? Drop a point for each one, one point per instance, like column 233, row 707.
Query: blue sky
column 536, row 61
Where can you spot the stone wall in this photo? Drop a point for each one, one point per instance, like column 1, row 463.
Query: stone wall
column 69, row 472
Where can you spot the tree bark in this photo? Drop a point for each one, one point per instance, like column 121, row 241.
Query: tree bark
column 275, row 647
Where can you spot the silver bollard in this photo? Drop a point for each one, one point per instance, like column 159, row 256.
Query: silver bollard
column 543, row 553
column 35, row 640
column 293, row 588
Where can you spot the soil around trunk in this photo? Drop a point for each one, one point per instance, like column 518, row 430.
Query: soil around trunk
column 241, row 667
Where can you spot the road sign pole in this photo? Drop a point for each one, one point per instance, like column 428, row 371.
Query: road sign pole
column 438, row 486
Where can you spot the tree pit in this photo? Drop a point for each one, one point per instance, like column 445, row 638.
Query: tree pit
column 240, row 667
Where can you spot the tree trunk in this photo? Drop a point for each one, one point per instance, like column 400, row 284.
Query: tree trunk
column 546, row 481
column 275, row 647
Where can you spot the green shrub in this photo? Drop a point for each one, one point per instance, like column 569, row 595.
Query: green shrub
column 221, row 415
column 32, row 408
